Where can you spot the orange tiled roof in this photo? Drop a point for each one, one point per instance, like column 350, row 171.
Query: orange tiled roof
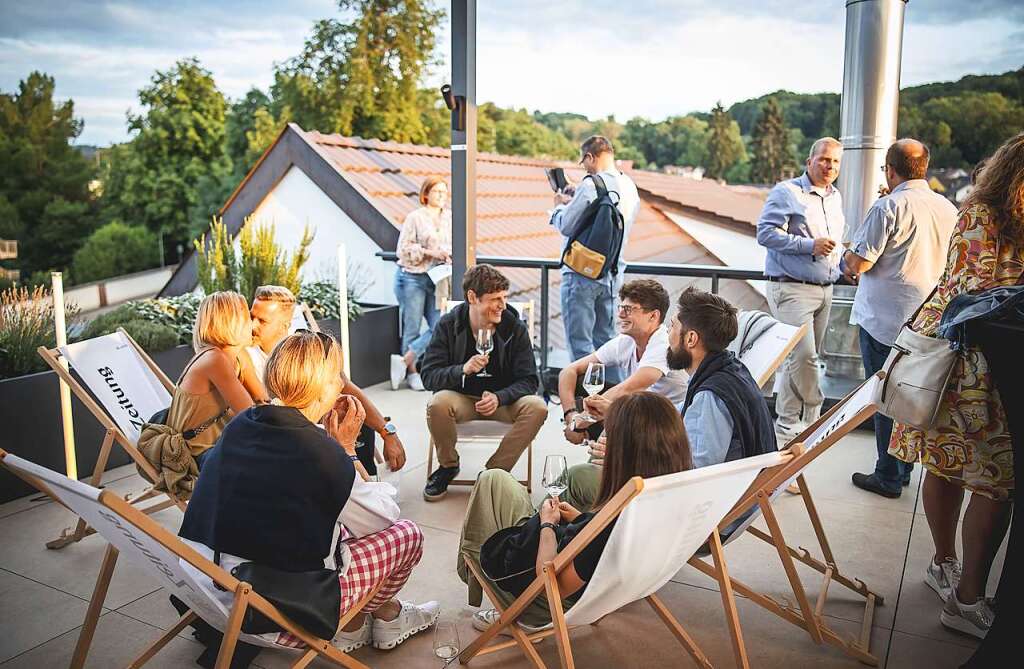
column 706, row 195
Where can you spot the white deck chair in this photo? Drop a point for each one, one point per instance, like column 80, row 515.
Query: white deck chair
column 489, row 431
column 855, row 408
column 164, row 556
column 302, row 317
column 639, row 558
column 125, row 388
column 768, row 351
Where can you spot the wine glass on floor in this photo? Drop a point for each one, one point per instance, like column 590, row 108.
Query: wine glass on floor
column 593, row 383
column 484, row 346
column 446, row 641
column 555, row 479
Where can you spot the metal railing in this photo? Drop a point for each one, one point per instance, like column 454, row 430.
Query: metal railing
column 714, row 272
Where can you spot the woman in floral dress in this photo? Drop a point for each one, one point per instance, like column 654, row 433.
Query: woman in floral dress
column 969, row 445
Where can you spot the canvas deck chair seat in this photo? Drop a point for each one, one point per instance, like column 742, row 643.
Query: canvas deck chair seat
column 489, row 431
column 764, row 354
column 172, row 564
column 122, row 388
column 639, row 558
column 855, row 408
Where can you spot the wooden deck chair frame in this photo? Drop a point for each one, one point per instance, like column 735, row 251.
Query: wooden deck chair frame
column 244, row 596
column 548, row 584
column 803, row 614
column 53, row 356
column 525, row 310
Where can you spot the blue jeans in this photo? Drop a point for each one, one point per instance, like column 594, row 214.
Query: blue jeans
column 890, row 472
column 415, row 294
column 588, row 311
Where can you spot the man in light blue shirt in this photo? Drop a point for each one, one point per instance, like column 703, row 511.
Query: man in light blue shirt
column 899, row 253
column 588, row 304
column 801, row 226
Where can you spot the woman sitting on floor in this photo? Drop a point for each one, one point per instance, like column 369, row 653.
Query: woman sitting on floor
column 280, row 491
column 645, row 437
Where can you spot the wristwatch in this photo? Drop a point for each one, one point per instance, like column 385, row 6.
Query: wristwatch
column 388, row 429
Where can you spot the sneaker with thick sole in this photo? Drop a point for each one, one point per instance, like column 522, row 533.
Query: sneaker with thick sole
column 411, row 619
column 438, row 482
column 347, row 642
column 398, row 371
column 942, row 577
column 870, row 483
column 484, row 618
column 415, row 381
column 974, row 619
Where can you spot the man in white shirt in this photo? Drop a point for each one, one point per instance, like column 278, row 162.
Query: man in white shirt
column 587, row 304
column 639, row 353
column 272, row 309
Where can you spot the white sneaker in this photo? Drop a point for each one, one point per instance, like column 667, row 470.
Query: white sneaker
column 347, row 642
column 415, row 382
column 398, row 371
column 942, row 578
column 484, row 618
column 413, row 618
column 974, row 619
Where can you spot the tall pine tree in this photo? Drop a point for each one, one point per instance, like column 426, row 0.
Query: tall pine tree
column 725, row 146
column 773, row 158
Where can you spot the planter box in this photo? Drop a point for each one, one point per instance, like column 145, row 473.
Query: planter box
column 32, row 428
column 373, row 337
column 30, row 405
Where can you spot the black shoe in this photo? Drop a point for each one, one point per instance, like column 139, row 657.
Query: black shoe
column 871, row 484
column 438, row 482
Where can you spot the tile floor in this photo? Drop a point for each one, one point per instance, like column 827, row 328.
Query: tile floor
column 44, row 594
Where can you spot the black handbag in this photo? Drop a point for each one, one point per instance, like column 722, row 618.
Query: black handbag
column 310, row 599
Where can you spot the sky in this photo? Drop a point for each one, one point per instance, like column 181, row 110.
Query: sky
column 651, row 58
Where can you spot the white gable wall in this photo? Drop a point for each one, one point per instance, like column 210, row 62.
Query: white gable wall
column 296, row 202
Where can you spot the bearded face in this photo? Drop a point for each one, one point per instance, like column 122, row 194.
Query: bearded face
column 678, row 357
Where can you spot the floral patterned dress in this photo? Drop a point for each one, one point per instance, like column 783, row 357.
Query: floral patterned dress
column 970, row 441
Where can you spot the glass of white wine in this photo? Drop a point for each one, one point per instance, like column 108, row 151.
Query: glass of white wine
column 593, row 383
column 446, row 641
column 484, row 346
column 555, row 479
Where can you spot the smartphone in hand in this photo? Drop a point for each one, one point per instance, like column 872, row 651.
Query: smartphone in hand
column 556, row 178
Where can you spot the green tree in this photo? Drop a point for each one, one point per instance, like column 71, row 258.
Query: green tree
column 45, row 201
column 363, row 76
column 175, row 171
column 770, row 144
column 725, row 145
column 113, row 250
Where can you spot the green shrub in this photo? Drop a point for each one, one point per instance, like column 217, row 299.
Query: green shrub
column 26, row 323
column 322, row 299
column 113, row 250
column 174, row 315
column 152, row 337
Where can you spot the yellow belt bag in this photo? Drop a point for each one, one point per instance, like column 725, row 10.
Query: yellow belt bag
column 583, row 261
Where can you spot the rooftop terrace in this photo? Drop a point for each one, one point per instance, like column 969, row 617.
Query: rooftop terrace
column 44, row 593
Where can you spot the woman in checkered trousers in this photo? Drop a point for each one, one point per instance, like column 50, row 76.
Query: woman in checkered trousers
column 278, row 490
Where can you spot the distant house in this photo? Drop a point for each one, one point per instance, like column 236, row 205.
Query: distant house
column 358, row 192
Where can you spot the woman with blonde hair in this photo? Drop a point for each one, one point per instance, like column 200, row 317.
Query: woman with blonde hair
column 425, row 241
column 217, row 383
column 280, row 491
column 969, row 447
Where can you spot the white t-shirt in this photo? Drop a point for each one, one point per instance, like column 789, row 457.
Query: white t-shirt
column 620, row 351
column 259, row 361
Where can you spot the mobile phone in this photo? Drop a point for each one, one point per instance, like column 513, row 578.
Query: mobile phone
column 556, row 178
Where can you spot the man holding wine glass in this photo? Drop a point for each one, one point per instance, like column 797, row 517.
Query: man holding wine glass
column 480, row 365
column 639, row 351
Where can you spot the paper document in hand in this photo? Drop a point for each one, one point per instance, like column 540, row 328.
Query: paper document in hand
column 439, row 273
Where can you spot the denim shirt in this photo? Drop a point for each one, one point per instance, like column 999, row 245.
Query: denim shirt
column 795, row 213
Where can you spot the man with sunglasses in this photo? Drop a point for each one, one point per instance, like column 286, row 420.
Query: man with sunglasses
column 639, row 353
column 587, row 304
column 271, row 313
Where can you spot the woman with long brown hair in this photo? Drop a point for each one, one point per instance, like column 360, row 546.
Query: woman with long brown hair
column 645, row 437
column 969, row 446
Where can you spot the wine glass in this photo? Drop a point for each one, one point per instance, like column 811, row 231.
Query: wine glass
column 446, row 641
column 593, row 383
column 555, row 480
column 484, row 346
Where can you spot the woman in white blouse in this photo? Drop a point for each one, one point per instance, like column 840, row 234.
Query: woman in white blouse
column 425, row 242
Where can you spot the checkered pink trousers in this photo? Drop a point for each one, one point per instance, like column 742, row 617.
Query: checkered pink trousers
column 386, row 557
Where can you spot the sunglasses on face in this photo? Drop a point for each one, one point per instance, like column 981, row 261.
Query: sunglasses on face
column 326, row 340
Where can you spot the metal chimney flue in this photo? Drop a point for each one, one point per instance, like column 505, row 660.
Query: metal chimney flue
column 870, row 103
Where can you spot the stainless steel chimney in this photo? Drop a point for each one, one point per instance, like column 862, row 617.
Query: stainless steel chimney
column 871, row 92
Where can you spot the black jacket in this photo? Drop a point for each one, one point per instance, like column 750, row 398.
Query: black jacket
column 511, row 360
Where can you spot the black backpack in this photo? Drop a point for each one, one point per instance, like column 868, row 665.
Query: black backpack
column 594, row 249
